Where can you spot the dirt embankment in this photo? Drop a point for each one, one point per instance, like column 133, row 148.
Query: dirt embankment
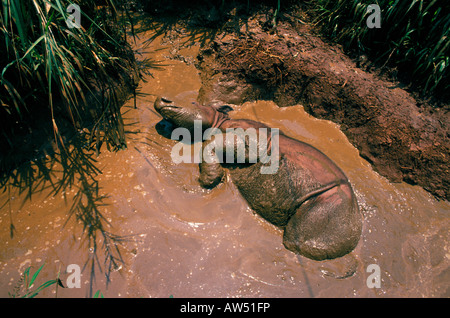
column 400, row 138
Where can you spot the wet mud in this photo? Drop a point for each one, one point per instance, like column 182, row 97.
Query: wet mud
column 401, row 137
column 190, row 242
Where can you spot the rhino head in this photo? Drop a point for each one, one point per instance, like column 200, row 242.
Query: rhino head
column 210, row 115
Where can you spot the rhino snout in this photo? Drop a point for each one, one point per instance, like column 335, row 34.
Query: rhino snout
column 162, row 102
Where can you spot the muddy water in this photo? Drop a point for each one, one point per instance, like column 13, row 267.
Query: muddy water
column 190, row 242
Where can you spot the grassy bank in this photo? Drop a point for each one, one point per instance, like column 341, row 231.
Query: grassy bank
column 64, row 74
column 48, row 67
column 413, row 40
column 414, row 37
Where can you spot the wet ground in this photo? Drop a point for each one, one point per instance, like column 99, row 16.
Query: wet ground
column 191, row 242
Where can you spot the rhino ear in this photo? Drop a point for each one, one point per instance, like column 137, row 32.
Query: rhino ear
column 224, row 109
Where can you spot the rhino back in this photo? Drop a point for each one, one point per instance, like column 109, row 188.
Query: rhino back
column 302, row 170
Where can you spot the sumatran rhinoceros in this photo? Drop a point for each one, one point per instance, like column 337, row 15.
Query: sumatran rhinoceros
column 301, row 190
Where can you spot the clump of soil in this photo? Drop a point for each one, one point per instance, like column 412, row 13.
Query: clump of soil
column 403, row 139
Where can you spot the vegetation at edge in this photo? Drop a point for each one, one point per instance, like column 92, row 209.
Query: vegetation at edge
column 414, row 37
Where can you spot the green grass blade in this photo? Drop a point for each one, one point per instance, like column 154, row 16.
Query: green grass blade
column 35, row 276
column 43, row 286
column 17, row 15
column 98, row 294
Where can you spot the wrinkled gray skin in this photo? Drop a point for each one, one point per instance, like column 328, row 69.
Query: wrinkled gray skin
column 309, row 196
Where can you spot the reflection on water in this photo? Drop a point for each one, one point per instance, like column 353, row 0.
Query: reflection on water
column 191, row 242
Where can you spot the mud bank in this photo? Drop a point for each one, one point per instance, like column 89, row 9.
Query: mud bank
column 402, row 139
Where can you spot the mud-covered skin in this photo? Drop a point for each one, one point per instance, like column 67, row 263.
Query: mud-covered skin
column 309, row 196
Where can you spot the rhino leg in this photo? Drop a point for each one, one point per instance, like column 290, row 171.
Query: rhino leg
column 326, row 226
column 211, row 174
column 211, row 171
